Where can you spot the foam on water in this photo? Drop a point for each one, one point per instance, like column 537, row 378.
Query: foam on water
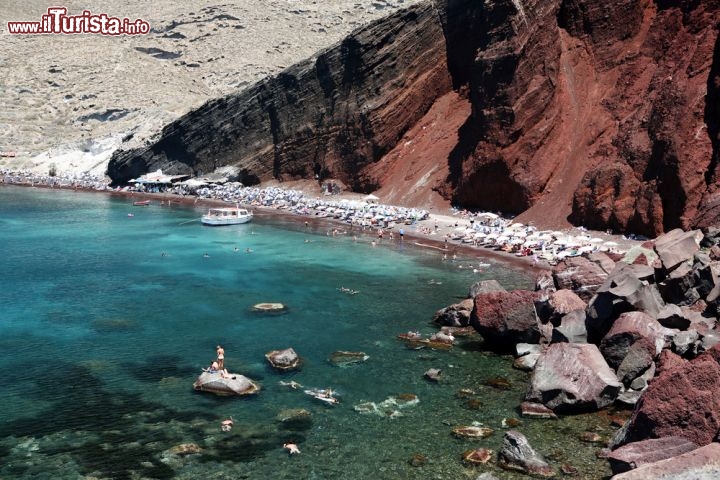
column 103, row 336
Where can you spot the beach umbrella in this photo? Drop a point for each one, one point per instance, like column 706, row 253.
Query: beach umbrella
column 611, row 244
column 516, row 241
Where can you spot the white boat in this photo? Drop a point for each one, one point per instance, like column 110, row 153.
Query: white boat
column 227, row 216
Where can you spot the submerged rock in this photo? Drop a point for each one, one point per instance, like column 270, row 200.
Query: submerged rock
column 185, row 449
column 390, row 407
column 433, row 374
column 295, row 419
column 269, row 307
column 536, row 410
column 342, row 358
column 472, row 431
column 233, row 384
column 479, row 456
column 283, row 359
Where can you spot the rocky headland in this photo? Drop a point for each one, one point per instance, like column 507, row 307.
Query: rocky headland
column 639, row 330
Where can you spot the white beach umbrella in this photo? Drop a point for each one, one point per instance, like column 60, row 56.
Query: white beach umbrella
column 595, row 240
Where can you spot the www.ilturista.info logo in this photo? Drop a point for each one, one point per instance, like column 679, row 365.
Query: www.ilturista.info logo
column 58, row 21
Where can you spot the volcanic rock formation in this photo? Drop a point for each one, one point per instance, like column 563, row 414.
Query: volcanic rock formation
column 603, row 113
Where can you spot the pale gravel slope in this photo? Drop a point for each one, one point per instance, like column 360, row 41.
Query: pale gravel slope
column 54, row 88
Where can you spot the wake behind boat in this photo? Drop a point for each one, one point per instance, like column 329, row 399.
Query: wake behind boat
column 226, row 216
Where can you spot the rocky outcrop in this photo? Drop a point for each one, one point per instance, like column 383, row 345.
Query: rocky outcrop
column 683, row 400
column 456, row 315
column 700, row 464
column 572, row 378
column 637, row 454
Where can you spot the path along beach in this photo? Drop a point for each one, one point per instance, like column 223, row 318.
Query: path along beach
column 456, row 235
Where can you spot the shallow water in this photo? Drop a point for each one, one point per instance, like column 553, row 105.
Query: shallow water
column 103, row 336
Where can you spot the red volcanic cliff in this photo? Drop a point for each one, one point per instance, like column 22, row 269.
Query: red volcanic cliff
column 601, row 113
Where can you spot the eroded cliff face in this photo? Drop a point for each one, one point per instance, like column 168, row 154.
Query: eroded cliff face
column 604, row 113
column 330, row 115
column 651, row 174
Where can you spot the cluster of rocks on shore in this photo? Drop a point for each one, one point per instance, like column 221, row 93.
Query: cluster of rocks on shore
column 599, row 330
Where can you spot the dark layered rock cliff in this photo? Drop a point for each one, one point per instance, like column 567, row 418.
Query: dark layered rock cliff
column 601, row 113
column 330, row 115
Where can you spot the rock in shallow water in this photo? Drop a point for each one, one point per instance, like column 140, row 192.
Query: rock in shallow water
column 517, row 454
column 284, row 360
column 233, row 384
column 342, row 358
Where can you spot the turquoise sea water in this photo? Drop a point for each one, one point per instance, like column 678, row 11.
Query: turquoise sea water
column 102, row 337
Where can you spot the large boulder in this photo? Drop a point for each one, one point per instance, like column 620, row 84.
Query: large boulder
column 506, row 318
column 572, row 377
column 571, row 329
column 638, row 359
column 225, row 385
column 677, row 246
column 671, row 316
column 629, row 328
column 621, row 292
column 700, row 464
column 553, row 306
column 630, row 283
column 580, row 275
column 545, row 282
column 517, row 454
column 637, row 454
column 456, row 315
column 683, row 400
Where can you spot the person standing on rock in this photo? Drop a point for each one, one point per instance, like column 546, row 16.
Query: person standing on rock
column 220, row 357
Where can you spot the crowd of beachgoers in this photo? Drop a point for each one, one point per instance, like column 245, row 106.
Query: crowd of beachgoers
column 460, row 227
